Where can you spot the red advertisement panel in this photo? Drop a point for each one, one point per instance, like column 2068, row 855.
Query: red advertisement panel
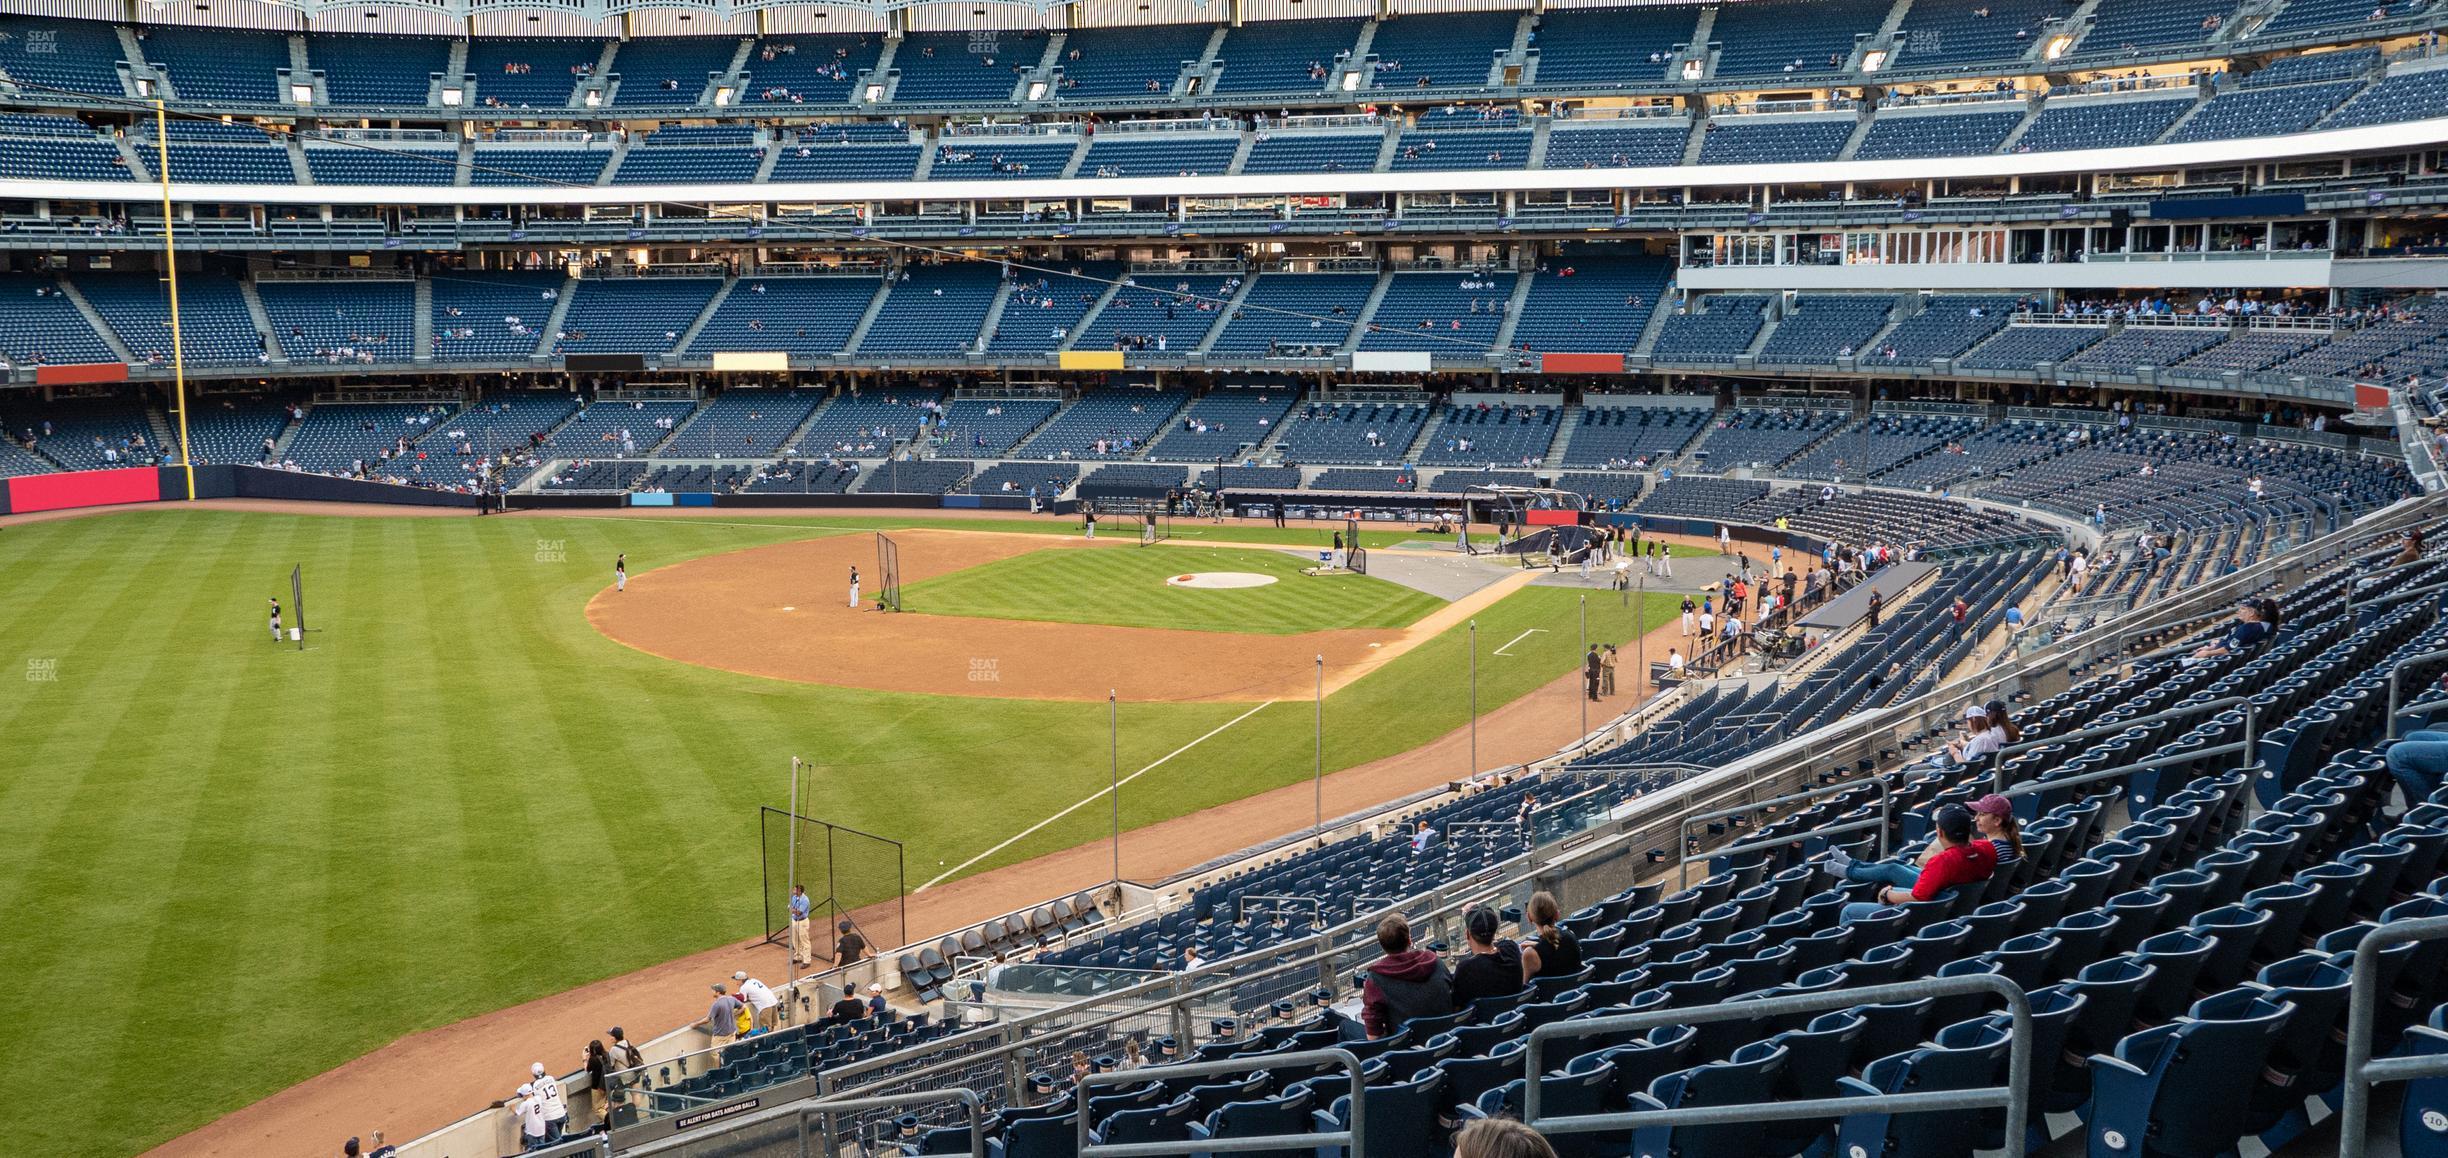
column 1550, row 517
column 1581, row 364
column 83, row 488
column 81, row 374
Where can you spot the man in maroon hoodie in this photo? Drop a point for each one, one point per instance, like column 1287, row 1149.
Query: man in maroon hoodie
column 1404, row 984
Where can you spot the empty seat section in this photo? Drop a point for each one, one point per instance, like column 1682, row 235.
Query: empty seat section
column 837, row 153
column 1354, row 433
column 808, row 70
column 506, row 165
column 212, row 151
column 1143, row 62
column 2404, row 97
column 1711, row 331
column 986, row 426
column 217, row 66
column 337, row 164
column 640, row 315
column 1480, row 432
column 1223, row 424
column 342, row 321
column 396, row 71
column 484, row 316
column 692, row 154
column 1610, row 47
column 214, row 325
column 2122, row 26
column 1441, row 50
column 529, row 74
column 2100, row 124
column 40, row 147
column 1767, row 140
column 1947, row 325
column 1458, row 148
column 1823, row 327
column 1590, row 304
column 1157, row 313
column 867, row 425
column 1791, row 37
column 2263, row 112
column 40, row 326
column 1001, row 158
column 1159, row 155
column 933, row 311
column 669, row 70
column 744, row 424
column 1105, row 423
column 805, row 317
column 1301, row 315
column 1956, row 32
column 1281, row 152
column 1937, row 135
column 1632, row 437
column 957, row 67
column 76, row 55
column 2018, row 347
column 1283, row 55
column 1046, row 303
column 1453, row 313
column 1635, row 145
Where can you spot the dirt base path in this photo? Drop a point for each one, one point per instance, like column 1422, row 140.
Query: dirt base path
column 783, row 612
column 427, row 1080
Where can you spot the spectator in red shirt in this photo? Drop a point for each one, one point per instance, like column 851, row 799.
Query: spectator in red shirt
column 1960, row 860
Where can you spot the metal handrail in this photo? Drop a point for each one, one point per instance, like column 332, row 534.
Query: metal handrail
column 2396, row 692
column 2362, row 1070
column 2111, row 729
column 1886, row 807
column 2250, row 746
column 2013, row 1097
column 831, row 1108
column 1350, row 1138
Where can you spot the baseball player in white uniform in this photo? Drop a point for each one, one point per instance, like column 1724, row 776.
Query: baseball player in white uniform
column 854, row 602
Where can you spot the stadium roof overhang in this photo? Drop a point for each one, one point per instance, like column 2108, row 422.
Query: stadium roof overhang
column 608, row 9
column 2155, row 158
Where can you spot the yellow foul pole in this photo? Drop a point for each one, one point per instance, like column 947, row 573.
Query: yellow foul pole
column 178, row 355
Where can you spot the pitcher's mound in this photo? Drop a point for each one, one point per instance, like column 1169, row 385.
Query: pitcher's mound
column 1220, row 579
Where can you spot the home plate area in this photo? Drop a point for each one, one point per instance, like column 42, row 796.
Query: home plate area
column 1220, row 579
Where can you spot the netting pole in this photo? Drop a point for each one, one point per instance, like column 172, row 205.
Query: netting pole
column 1113, row 742
column 1583, row 656
column 1317, row 729
column 1474, row 697
column 790, row 861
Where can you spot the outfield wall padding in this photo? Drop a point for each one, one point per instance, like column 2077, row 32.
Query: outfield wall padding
column 254, row 482
column 83, row 488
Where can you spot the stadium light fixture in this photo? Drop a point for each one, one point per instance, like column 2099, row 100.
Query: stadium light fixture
column 301, row 94
column 2057, row 46
column 452, row 96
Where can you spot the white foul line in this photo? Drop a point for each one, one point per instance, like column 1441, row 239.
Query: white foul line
column 1093, row 797
column 1517, row 639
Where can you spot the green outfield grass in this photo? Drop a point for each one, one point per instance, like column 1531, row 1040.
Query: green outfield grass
column 227, row 865
column 1125, row 586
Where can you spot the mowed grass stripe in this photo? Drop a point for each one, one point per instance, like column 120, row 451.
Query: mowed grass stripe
column 1126, row 587
column 462, row 797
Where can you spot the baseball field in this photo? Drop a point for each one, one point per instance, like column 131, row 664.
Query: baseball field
column 228, row 864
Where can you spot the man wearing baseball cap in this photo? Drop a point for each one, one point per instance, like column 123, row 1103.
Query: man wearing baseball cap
column 1960, row 861
column 762, row 1004
column 548, row 1095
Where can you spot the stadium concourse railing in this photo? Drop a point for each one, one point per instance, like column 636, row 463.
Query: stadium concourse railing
column 997, row 1059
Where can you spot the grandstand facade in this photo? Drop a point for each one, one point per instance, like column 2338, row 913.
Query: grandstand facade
column 1984, row 281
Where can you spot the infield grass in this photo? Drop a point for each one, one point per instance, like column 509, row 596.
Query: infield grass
column 227, row 865
column 1126, row 587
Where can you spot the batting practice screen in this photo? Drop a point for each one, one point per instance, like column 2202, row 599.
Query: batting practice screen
column 888, row 572
column 1355, row 556
column 847, row 874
